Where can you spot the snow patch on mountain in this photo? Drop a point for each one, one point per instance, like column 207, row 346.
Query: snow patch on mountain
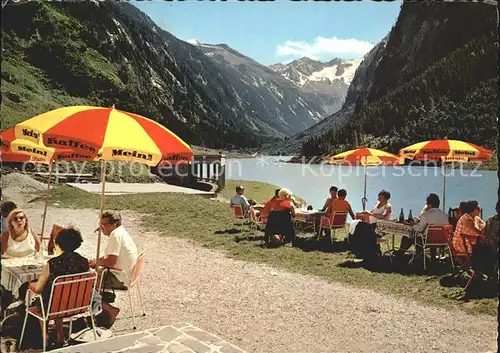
column 331, row 73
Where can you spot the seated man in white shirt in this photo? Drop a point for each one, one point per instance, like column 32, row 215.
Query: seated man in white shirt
column 431, row 215
column 121, row 253
column 240, row 199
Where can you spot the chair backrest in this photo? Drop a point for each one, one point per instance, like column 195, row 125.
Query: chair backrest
column 437, row 235
column 56, row 229
column 136, row 272
column 238, row 211
column 454, row 215
column 253, row 215
column 338, row 219
column 71, row 295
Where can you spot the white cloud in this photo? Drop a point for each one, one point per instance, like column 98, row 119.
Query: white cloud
column 324, row 48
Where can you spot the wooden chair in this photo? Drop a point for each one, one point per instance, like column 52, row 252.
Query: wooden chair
column 133, row 282
column 335, row 222
column 70, row 295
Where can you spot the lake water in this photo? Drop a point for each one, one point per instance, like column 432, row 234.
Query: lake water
column 409, row 186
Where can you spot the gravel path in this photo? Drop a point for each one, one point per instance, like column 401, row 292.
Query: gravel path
column 262, row 309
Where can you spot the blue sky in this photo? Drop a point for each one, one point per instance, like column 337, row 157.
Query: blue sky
column 280, row 31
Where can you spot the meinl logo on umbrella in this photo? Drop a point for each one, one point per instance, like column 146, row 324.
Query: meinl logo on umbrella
column 31, row 150
column 52, row 141
column 30, row 133
column 135, row 154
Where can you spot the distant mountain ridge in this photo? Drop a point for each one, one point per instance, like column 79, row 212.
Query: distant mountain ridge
column 324, row 81
column 286, row 106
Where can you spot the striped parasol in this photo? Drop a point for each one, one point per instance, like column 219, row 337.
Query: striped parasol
column 21, row 150
column 365, row 157
column 105, row 134
column 446, row 151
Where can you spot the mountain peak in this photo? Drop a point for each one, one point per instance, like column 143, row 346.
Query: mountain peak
column 194, row 42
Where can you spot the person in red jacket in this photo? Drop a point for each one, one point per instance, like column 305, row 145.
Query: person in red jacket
column 269, row 204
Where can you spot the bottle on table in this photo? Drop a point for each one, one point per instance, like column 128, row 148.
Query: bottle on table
column 410, row 217
column 401, row 216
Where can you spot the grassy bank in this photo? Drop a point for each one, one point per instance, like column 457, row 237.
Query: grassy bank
column 210, row 223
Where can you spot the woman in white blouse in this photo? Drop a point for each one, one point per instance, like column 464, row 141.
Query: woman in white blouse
column 381, row 210
column 19, row 240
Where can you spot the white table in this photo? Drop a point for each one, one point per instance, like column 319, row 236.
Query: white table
column 309, row 217
column 392, row 228
column 16, row 271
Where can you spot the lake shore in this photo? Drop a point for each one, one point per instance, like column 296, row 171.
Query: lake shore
column 166, row 213
column 221, row 279
column 490, row 166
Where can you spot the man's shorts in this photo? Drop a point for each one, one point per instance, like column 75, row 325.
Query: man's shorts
column 110, row 281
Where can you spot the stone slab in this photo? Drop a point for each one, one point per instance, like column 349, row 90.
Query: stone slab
column 178, row 338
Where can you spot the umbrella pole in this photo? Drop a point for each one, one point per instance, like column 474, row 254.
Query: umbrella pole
column 444, row 186
column 363, row 201
column 103, row 182
column 46, row 203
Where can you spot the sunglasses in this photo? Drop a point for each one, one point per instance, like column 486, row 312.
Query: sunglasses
column 19, row 218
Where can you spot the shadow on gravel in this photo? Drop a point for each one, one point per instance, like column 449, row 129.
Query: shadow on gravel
column 228, row 231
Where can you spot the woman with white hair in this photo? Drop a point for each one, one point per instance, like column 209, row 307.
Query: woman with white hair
column 279, row 226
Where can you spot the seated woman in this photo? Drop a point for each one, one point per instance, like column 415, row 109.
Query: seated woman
column 381, row 210
column 340, row 204
column 328, row 203
column 19, row 240
column 66, row 262
column 468, row 224
column 279, row 225
column 269, row 204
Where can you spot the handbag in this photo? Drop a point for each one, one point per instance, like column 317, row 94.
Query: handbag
column 107, row 296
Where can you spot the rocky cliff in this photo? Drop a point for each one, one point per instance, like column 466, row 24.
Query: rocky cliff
column 432, row 77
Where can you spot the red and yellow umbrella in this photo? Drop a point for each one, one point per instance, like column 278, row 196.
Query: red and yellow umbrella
column 365, row 157
column 105, row 133
column 446, row 151
column 21, row 150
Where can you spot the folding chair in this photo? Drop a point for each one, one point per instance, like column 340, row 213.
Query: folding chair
column 460, row 260
column 239, row 215
column 255, row 220
column 435, row 237
column 133, row 282
column 333, row 223
column 70, row 295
